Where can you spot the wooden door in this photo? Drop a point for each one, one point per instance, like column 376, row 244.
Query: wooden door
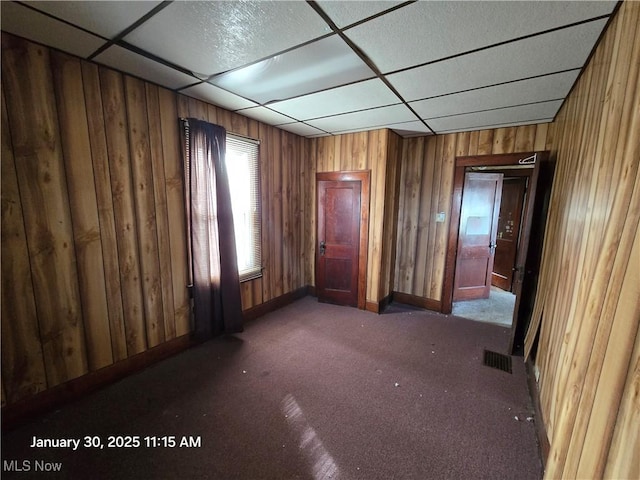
column 477, row 235
column 507, row 238
column 338, row 241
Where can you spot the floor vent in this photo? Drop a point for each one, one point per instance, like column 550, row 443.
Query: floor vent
column 497, row 360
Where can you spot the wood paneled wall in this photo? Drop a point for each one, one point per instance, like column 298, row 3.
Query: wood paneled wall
column 426, row 188
column 589, row 306
column 379, row 152
column 94, row 266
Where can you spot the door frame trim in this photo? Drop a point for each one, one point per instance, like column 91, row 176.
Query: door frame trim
column 456, row 203
column 362, row 176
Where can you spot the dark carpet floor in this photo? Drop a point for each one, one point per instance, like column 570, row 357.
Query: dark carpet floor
column 312, row 391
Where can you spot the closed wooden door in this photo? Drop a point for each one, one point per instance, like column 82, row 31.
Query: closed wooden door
column 508, row 235
column 477, row 235
column 338, row 247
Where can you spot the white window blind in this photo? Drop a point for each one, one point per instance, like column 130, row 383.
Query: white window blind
column 243, row 167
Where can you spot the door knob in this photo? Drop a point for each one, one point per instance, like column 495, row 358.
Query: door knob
column 323, row 246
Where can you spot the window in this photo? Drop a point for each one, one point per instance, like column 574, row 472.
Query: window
column 243, row 168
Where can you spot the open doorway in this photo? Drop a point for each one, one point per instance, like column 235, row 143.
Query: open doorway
column 495, row 266
column 525, row 272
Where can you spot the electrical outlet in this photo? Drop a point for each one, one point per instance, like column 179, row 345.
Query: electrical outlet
column 440, row 216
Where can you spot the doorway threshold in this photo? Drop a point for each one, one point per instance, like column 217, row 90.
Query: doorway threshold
column 497, row 309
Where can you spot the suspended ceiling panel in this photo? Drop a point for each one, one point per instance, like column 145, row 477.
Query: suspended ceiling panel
column 533, row 113
column 540, row 55
column 44, row 29
column 143, row 67
column 218, row 96
column 212, row 37
column 427, row 31
column 366, row 119
column 320, row 65
column 532, row 90
column 358, row 96
column 328, row 67
column 107, row 19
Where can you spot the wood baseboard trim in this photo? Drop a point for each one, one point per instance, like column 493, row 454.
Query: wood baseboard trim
column 416, row 301
column 275, row 303
column 15, row 414
column 378, row 307
column 541, row 431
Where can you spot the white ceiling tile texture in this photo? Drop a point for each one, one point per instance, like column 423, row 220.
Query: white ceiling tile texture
column 347, row 13
column 363, row 120
column 106, row 18
column 360, row 96
column 548, row 53
column 212, row 37
column 499, row 117
column 548, row 87
column 431, row 30
column 459, row 65
column 319, row 65
column 143, row 67
column 40, row 28
column 266, row 115
column 217, row 96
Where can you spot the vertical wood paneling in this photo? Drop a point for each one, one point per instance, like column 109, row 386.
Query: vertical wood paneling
column 275, row 187
column 392, row 188
column 426, row 189
column 161, row 211
column 586, row 355
column 23, row 370
column 93, row 197
column 145, row 209
column 102, row 178
column 287, row 221
column 623, row 460
column 174, row 187
column 67, row 76
column 358, row 151
column 123, row 204
column 30, row 101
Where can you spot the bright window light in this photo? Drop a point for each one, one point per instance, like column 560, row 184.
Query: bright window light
column 242, row 164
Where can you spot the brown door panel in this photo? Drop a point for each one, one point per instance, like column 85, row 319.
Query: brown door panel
column 477, row 235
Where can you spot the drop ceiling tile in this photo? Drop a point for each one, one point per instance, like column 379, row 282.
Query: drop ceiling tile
column 143, row 67
column 422, row 32
column 552, row 52
column 265, row 115
column 302, row 130
column 40, row 28
column 363, row 120
column 105, row 18
column 319, row 65
column 549, row 87
column 347, row 13
column 368, row 94
column 505, row 116
column 217, row 96
column 212, row 37
column 408, row 129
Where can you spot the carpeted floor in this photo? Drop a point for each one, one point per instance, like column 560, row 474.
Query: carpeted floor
column 312, row 391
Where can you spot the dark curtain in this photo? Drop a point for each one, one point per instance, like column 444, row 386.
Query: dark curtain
column 217, row 305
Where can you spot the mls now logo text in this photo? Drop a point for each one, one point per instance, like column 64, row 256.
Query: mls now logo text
column 30, row 465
